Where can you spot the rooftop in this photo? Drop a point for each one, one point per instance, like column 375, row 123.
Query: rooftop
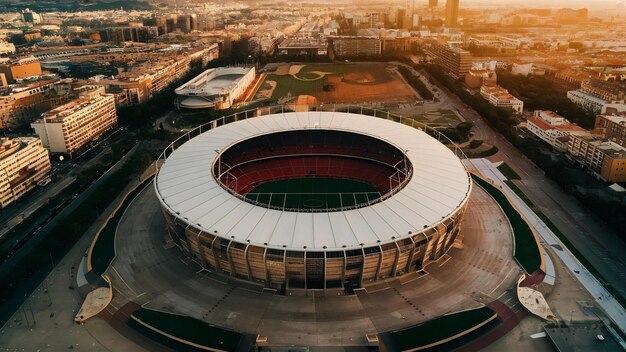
column 9, row 146
column 68, row 109
column 621, row 120
column 439, row 186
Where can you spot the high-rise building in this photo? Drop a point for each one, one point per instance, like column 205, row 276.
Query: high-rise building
column 401, row 18
column 193, row 18
column 23, row 162
column 184, row 23
column 69, row 127
column 452, row 13
column 349, row 46
column 129, row 34
column 456, row 61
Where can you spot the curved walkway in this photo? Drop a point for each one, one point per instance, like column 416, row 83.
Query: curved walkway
column 147, row 273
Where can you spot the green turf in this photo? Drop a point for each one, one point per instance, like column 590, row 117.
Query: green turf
column 439, row 118
column 287, row 84
column 439, row 329
column 508, row 172
column 313, row 193
column 526, row 247
column 190, row 329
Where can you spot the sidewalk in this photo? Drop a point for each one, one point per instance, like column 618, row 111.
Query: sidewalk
column 602, row 297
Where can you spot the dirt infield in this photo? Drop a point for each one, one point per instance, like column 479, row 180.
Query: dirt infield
column 370, row 83
column 359, row 78
column 339, row 83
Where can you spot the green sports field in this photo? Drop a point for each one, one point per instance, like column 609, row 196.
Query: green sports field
column 313, row 193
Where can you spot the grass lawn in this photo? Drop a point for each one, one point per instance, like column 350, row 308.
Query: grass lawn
column 440, row 328
column 508, row 172
column 439, row 118
column 520, row 194
column 103, row 250
column 287, row 84
column 526, row 247
column 313, row 193
column 481, row 154
column 334, row 68
column 190, row 329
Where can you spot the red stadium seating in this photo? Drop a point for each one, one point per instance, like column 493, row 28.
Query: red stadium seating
column 314, row 153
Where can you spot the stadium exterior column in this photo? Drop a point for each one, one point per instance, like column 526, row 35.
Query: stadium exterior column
column 411, row 254
column 191, row 254
column 285, row 267
column 230, row 260
column 325, row 266
column 305, row 269
column 217, row 261
column 200, row 250
column 343, row 272
column 362, row 266
column 267, row 277
column 395, row 261
column 380, row 262
column 245, row 255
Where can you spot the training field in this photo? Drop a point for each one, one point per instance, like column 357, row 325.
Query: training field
column 339, row 83
column 313, row 193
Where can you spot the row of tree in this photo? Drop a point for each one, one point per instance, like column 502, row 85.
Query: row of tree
column 543, row 95
column 416, row 83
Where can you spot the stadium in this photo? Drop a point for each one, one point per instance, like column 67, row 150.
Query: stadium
column 215, row 88
column 314, row 200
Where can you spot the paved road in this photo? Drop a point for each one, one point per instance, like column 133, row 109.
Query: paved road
column 18, row 212
column 25, row 249
column 598, row 243
column 53, row 312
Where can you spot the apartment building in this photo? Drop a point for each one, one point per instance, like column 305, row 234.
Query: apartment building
column 500, row 97
column 604, row 159
column 594, row 104
column 553, row 129
column 24, row 103
column 145, row 80
column 23, row 163
column 69, row 127
column 141, row 34
column 609, row 91
column 347, row 46
column 613, row 127
column 456, row 61
column 599, row 96
column 19, row 69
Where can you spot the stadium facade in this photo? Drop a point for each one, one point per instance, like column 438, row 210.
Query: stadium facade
column 411, row 215
column 216, row 88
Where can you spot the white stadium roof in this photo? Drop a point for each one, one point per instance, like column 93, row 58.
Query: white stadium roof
column 440, row 185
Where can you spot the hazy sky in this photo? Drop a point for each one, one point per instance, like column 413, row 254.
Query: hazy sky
column 547, row 3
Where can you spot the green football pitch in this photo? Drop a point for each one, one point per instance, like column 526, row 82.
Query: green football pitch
column 313, row 193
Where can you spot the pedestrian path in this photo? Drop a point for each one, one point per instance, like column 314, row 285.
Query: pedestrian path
column 602, row 297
